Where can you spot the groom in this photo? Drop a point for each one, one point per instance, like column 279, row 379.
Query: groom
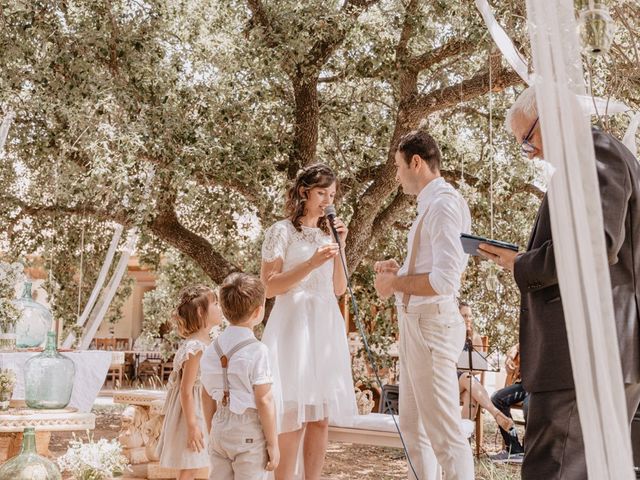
column 432, row 332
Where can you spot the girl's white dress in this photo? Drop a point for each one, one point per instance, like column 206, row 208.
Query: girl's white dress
column 172, row 445
column 306, row 336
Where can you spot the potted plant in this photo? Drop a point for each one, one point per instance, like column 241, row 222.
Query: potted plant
column 101, row 460
column 7, row 382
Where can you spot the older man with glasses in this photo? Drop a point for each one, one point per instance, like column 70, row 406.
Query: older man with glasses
column 554, row 444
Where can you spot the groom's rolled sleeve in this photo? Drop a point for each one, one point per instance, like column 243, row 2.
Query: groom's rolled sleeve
column 448, row 257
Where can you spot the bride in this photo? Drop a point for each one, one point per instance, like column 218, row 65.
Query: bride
column 306, row 332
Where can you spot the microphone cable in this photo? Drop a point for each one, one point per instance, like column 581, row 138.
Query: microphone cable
column 365, row 343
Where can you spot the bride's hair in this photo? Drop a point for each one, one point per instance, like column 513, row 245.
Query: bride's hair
column 317, row 175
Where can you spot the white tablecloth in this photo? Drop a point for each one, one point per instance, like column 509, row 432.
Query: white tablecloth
column 91, row 369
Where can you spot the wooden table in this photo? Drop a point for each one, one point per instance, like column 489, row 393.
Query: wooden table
column 18, row 417
column 91, row 369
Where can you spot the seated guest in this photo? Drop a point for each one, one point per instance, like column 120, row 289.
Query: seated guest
column 473, row 395
column 503, row 399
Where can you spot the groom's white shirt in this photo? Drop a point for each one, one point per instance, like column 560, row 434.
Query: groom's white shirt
column 441, row 253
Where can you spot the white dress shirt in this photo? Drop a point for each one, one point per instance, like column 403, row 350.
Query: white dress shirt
column 441, row 254
column 248, row 366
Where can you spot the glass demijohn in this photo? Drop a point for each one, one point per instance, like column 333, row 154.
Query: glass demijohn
column 28, row 465
column 35, row 322
column 48, row 378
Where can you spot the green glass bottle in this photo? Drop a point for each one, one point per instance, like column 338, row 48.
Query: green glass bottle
column 28, row 465
column 48, row 378
column 35, row 321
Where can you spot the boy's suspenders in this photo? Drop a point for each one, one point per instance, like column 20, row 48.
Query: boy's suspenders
column 225, row 358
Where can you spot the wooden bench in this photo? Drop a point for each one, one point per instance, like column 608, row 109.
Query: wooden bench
column 375, row 429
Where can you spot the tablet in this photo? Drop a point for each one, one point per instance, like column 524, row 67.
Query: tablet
column 470, row 243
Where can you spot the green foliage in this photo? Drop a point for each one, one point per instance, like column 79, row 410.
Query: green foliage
column 174, row 273
column 182, row 118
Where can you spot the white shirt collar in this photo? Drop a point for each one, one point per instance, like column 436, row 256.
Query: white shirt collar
column 240, row 333
column 426, row 194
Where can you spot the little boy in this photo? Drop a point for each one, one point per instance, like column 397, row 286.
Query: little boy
column 237, row 382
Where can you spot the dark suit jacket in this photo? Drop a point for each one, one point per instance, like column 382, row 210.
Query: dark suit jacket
column 545, row 362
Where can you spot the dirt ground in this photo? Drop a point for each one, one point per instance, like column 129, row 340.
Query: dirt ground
column 344, row 461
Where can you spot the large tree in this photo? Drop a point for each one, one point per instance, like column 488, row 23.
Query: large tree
column 187, row 119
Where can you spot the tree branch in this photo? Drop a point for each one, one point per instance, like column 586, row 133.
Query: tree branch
column 387, row 217
column 168, row 228
column 55, row 210
column 447, row 97
column 261, row 18
column 451, row 49
column 408, row 30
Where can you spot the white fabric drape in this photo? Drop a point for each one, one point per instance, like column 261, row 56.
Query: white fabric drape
column 577, row 226
column 106, row 265
column 98, row 314
column 4, row 129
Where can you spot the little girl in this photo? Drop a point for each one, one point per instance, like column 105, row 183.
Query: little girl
column 182, row 444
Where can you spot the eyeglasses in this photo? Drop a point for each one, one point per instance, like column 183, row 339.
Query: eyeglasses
column 526, row 145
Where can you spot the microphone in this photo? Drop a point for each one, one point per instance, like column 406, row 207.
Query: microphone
column 330, row 213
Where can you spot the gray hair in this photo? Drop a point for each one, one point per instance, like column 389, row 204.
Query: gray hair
column 525, row 104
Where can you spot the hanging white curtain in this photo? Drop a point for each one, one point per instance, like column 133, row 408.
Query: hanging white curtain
column 4, row 129
column 102, row 276
column 97, row 315
column 579, row 244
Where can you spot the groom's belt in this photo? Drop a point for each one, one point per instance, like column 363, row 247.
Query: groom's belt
column 430, row 308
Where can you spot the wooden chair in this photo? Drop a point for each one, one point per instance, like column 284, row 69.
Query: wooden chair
column 150, row 366
column 122, row 344
column 165, row 369
column 115, row 374
column 105, row 343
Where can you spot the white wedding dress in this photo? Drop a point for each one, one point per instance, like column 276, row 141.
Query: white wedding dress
column 306, row 336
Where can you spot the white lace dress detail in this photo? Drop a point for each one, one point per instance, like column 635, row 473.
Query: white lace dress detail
column 306, row 335
column 283, row 241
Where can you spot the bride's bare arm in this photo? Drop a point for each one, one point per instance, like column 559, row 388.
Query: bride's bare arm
column 339, row 278
column 278, row 282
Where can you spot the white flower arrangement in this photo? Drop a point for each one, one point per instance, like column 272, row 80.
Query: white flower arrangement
column 10, row 275
column 99, row 460
column 7, row 379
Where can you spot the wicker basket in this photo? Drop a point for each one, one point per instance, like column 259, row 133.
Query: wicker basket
column 364, row 400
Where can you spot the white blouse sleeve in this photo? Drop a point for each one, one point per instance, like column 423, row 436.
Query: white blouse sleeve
column 276, row 240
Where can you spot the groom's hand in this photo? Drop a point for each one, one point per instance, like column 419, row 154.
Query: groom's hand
column 386, row 266
column 384, row 284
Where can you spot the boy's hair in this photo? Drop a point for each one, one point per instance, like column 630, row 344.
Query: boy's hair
column 419, row 142
column 191, row 313
column 240, row 295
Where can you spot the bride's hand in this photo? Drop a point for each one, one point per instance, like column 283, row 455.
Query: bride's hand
column 341, row 228
column 324, row 253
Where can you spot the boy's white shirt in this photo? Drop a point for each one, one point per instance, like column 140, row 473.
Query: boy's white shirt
column 249, row 366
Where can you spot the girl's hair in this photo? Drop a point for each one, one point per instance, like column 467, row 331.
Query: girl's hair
column 193, row 305
column 317, row 175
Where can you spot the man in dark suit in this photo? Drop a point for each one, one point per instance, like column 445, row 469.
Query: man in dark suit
column 553, row 443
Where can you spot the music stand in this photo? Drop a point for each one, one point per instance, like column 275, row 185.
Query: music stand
column 471, row 360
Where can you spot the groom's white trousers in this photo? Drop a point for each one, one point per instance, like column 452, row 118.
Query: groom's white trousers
column 431, row 340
